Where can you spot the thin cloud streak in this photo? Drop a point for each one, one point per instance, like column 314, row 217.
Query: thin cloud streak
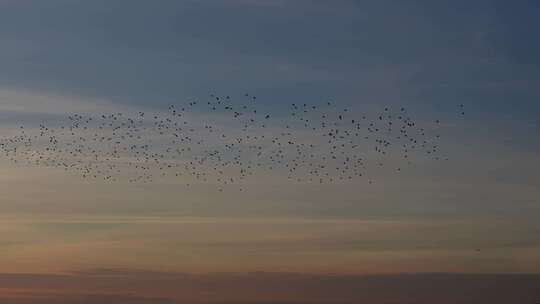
column 198, row 244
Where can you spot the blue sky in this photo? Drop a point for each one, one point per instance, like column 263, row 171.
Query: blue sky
column 482, row 53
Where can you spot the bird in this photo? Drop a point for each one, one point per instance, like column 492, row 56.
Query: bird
column 310, row 145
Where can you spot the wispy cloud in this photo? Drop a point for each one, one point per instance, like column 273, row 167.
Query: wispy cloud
column 204, row 244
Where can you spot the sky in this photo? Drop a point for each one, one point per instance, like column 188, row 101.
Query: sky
column 473, row 220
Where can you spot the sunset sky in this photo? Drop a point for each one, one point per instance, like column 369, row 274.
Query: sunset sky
column 470, row 221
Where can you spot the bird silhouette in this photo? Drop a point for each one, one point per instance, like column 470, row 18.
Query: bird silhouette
column 310, row 143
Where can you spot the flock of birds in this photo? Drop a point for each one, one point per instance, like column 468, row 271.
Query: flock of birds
column 227, row 143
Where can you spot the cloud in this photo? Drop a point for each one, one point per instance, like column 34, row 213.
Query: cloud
column 32, row 102
column 59, row 242
column 22, row 297
column 139, row 286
